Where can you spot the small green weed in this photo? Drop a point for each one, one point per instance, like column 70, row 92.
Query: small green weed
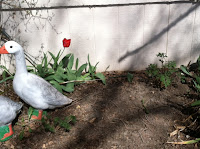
column 129, row 77
column 24, row 126
column 48, row 124
column 65, row 123
column 164, row 76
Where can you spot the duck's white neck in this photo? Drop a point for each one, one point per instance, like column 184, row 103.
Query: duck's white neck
column 20, row 63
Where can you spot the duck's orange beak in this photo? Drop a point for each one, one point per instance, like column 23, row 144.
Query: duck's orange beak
column 3, row 50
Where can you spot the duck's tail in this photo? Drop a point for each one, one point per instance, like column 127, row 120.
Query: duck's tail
column 19, row 106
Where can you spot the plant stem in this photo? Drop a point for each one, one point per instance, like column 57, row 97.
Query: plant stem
column 89, row 80
column 78, row 81
column 62, row 53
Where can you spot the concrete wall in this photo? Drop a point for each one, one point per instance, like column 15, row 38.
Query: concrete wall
column 126, row 37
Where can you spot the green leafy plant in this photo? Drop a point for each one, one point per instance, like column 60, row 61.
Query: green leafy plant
column 193, row 72
column 64, row 77
column 6, row 75
column 152, row 70
column 129, row 77
column 163, row 76
column 162, row 57
column 47, row 124
column 21, row 135
column 30, row 112
column 65, row 123
column 65, row 74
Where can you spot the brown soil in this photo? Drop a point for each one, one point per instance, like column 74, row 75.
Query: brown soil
column 111, row 116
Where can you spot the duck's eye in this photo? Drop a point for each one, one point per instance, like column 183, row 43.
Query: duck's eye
column 11, row 46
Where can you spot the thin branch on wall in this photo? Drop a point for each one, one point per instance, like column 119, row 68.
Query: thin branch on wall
column 11, row 20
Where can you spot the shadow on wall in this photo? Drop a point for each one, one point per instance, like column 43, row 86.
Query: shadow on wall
column 157, row 37
column 112, row 50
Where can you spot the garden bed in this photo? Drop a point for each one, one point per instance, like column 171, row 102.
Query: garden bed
column 120, row 114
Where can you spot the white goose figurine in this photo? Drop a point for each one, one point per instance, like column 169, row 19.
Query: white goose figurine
column 8, row 111
column 31, row 88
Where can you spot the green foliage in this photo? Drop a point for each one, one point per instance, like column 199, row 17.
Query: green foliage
column 23, row 124
column 196, row 82
column 188, row 142
column 47, row 125
column 192, row 141
column 21, row 135
column 65, row 123
column 30, row 112
column 196, row 103
column 93, row 74
column 163, row 76
column 6, row 74
column 165, row 79
column 129, row 77
column 193, row 73
column 61, row 73
column 162, row 57
column 152, row 70
column 185, row 73
column 185, row 70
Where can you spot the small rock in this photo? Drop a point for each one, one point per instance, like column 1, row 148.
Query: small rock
column 78, row 107
column 187, row 136
column 44, row 146
column 92, row 120
column 12, row 146
column 50, row 142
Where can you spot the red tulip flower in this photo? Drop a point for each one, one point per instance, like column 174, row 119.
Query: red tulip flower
column 66, row 42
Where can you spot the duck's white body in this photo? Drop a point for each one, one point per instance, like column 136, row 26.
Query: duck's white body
column 38, row 93
column 31, row 88
column 8, row 110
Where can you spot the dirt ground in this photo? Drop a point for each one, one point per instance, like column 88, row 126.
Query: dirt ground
column 111, row 116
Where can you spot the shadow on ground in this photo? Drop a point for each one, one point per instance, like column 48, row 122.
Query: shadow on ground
column 113, row 116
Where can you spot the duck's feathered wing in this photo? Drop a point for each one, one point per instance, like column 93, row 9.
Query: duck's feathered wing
column 39, row 90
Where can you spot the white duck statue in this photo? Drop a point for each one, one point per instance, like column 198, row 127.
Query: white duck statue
column 9, row 110
column 31, row 88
